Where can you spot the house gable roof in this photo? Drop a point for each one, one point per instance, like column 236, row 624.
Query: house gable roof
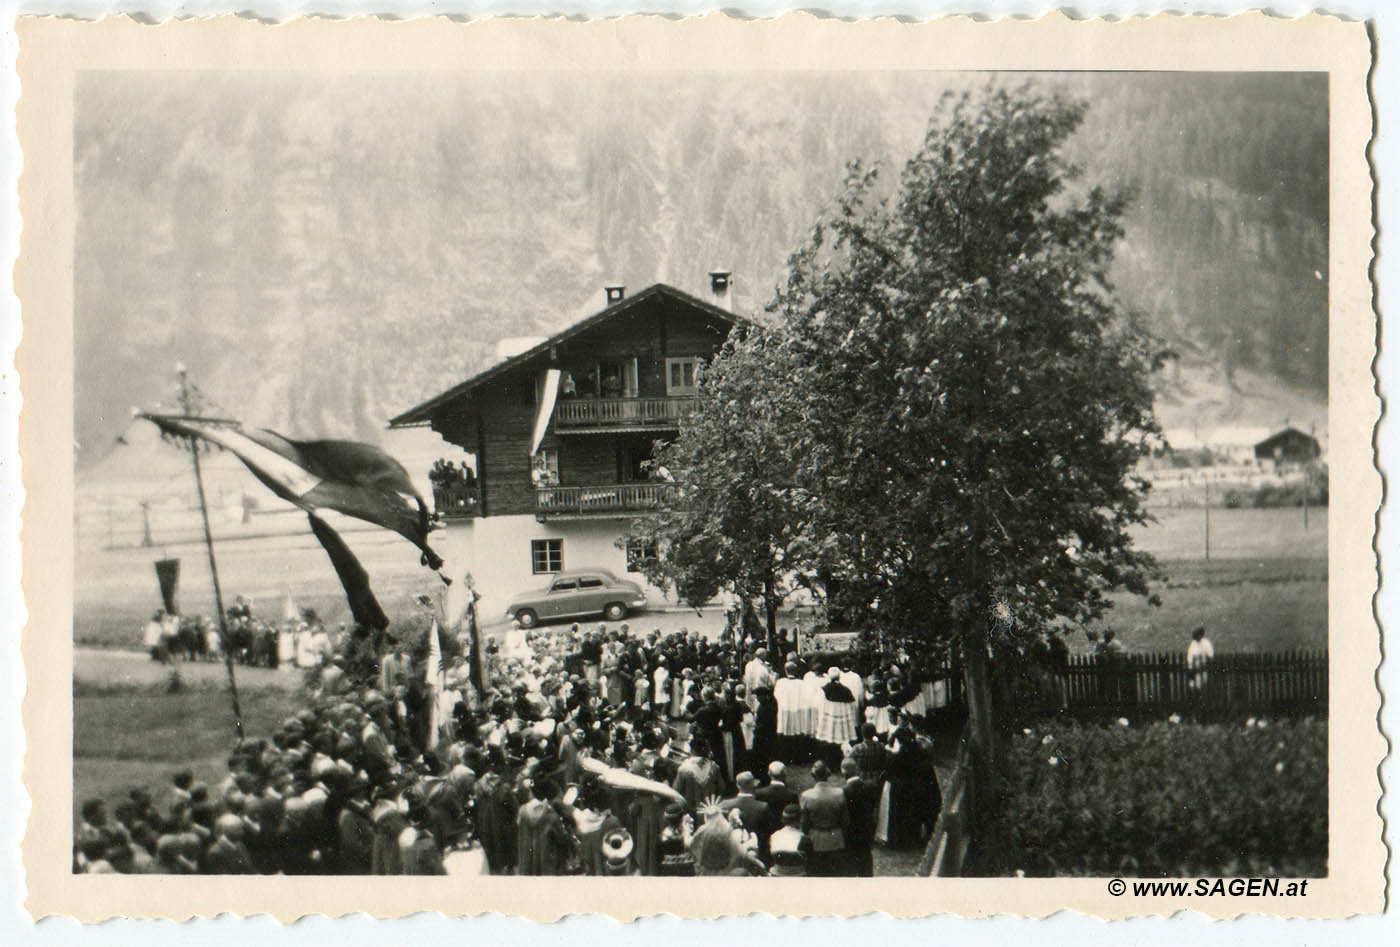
column 424, row 412
column 1288, row 433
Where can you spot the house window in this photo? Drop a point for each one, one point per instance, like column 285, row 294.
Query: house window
column 640, row 553
column 619, row 379
column 544, row 468
column 546, row 555
column 682, row 375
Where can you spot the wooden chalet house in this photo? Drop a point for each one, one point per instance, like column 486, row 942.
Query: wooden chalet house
column 561, row 435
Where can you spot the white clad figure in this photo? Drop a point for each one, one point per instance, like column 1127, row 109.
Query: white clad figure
column 787, row 691
column 151, row 634
column 661, row 688
column 812, row 684
column 469, row 861
column 757, row 674
column 837, row 723
column 286, row 645
column 306, row 647
column 906, row 697
column 856, row 686
column 1199, row 653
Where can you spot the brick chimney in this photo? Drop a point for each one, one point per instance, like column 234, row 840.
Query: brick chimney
column 720, row 283
column 614, row 293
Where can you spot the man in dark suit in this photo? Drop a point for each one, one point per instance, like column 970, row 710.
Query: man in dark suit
column 776, row 794
column 862, row 801
column 824, row 821
column 758, row 818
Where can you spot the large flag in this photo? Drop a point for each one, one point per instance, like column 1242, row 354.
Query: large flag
column 353, row 577
column 356, row 479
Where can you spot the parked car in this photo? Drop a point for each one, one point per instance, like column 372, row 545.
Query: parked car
column 578, row 593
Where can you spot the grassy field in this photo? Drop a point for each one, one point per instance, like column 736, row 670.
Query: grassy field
column 1264, row 568
column 117, row 590
column 130, row 729
column 1245, row 605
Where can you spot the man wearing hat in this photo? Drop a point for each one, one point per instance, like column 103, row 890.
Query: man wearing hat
column 789, row 848
column 676, row 860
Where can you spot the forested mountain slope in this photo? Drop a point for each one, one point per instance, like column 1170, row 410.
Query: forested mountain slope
column 323, row 253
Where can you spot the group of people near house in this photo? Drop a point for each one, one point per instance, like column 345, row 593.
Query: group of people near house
column 598, row 752
column 301, row 642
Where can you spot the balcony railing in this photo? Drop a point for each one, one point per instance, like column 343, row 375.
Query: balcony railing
column 457, row 500
column 585, row 413
column 610, row 498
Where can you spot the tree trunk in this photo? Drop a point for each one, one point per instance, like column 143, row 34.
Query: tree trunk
column 981, row 724
column 978, row 684
column 770, row 609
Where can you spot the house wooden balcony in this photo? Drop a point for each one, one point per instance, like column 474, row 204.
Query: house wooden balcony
column 598, row 415
column 457, row 500
column 604, row 500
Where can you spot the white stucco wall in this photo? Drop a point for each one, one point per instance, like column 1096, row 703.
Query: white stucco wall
column 496, row 551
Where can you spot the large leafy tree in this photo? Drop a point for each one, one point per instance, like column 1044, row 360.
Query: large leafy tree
column 738, row 525
column 943, row 418
column 973, row 400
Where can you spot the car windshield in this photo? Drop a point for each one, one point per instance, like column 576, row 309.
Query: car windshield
column 612, row 579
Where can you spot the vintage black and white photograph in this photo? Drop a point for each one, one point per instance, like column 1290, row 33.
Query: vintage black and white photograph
column 757, row 475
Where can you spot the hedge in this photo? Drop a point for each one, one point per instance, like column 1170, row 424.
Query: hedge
column 1165, row 799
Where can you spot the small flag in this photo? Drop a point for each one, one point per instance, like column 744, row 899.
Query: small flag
column 436, row 679
column 476, row 662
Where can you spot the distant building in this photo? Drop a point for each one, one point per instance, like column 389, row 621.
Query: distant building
column 1289, row 446
column 561, row 433
column 1226, row 444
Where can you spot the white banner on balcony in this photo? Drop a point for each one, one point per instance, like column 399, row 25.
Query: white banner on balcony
column 547, row 398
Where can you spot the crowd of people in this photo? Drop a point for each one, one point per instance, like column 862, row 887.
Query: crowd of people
column 598, row 752
column 301, row 642
column 446, row 474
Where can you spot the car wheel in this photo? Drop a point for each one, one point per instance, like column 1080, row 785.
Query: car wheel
column 615, row 611
column 527, row 618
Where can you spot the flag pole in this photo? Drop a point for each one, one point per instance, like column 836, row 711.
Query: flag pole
column 186, row 405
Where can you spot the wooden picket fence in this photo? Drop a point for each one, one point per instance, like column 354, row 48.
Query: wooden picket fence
column 1134, row 685
column 1280, row 682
